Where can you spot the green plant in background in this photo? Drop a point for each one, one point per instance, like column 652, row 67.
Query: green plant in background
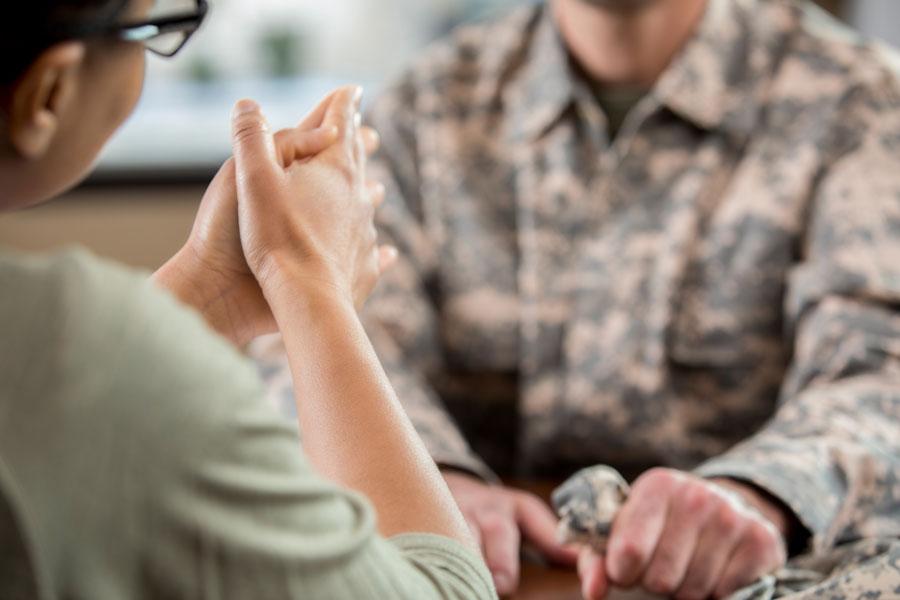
column 202, row 69
column 283, row 52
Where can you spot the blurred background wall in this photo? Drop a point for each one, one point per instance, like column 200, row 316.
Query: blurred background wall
column 139, row 205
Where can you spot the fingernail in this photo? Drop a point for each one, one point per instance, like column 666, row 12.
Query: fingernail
column 357, row 120
column 358, row 94
column 245, row 106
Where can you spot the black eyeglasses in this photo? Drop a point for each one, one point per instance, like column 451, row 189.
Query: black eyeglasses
column 166, row 35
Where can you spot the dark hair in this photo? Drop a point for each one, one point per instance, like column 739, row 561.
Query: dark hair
column 30, row 26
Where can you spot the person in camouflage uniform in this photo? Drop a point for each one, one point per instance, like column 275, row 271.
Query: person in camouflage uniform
column 690, row 273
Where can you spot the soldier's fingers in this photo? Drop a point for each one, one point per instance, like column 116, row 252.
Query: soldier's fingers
column 592, row 572
column 500, row 545
column 639, row 525
column 760, row 551
column 538, row 525
column 685, row 519
column 717, row 542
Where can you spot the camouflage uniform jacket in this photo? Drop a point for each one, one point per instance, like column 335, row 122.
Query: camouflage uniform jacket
column 718, row 288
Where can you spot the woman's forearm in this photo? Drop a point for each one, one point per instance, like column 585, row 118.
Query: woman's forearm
column 354, row 430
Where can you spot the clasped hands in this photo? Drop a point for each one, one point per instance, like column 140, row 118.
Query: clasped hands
column 292, row 207
column 677, row 535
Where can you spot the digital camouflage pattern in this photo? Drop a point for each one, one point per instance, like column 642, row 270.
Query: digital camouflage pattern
column 587, row 503
column 717, row 288
column 866, row 569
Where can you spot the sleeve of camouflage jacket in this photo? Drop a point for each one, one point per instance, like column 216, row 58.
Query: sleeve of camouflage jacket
column 402, row 316
column 832, row 450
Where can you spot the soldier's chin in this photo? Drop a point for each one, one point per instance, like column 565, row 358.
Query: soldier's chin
column 619, row 5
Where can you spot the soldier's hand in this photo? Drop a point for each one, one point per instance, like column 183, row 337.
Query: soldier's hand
column 681, row 536
column 500, row 518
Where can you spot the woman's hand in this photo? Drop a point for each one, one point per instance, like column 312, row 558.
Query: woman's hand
column 309, row 222
column 210, row 272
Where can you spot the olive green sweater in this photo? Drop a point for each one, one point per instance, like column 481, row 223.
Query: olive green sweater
column 139, row 460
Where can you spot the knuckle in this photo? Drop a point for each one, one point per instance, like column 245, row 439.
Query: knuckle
column 659, row 583
column 759, row 538
column 691, row 591
column 697, row 498
column 244, row 129
column 346, row 170
column 632, row 553
column 726, row 519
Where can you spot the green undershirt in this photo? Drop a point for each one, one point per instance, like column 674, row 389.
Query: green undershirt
column 616, row 102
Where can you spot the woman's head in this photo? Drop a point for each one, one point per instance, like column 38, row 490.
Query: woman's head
column 69, row 76
column 37, row 24
column 63, row 93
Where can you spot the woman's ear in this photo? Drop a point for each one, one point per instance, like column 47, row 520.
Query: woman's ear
column 42, row 97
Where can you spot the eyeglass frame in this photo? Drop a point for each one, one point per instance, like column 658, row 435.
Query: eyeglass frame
column 144, row 31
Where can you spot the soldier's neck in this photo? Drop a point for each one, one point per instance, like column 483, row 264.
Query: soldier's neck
column 626, row 42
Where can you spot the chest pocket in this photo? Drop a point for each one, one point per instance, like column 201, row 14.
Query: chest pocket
column 729, row 311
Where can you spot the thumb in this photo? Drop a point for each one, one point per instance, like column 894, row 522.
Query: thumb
column 252, row 141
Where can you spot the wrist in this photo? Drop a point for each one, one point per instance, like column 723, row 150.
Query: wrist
column 179, row 279
column 285, row 280
column 194, row 287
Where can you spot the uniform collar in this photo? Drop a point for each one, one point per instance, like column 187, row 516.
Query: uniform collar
column 546, row 84
column 717, row 81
